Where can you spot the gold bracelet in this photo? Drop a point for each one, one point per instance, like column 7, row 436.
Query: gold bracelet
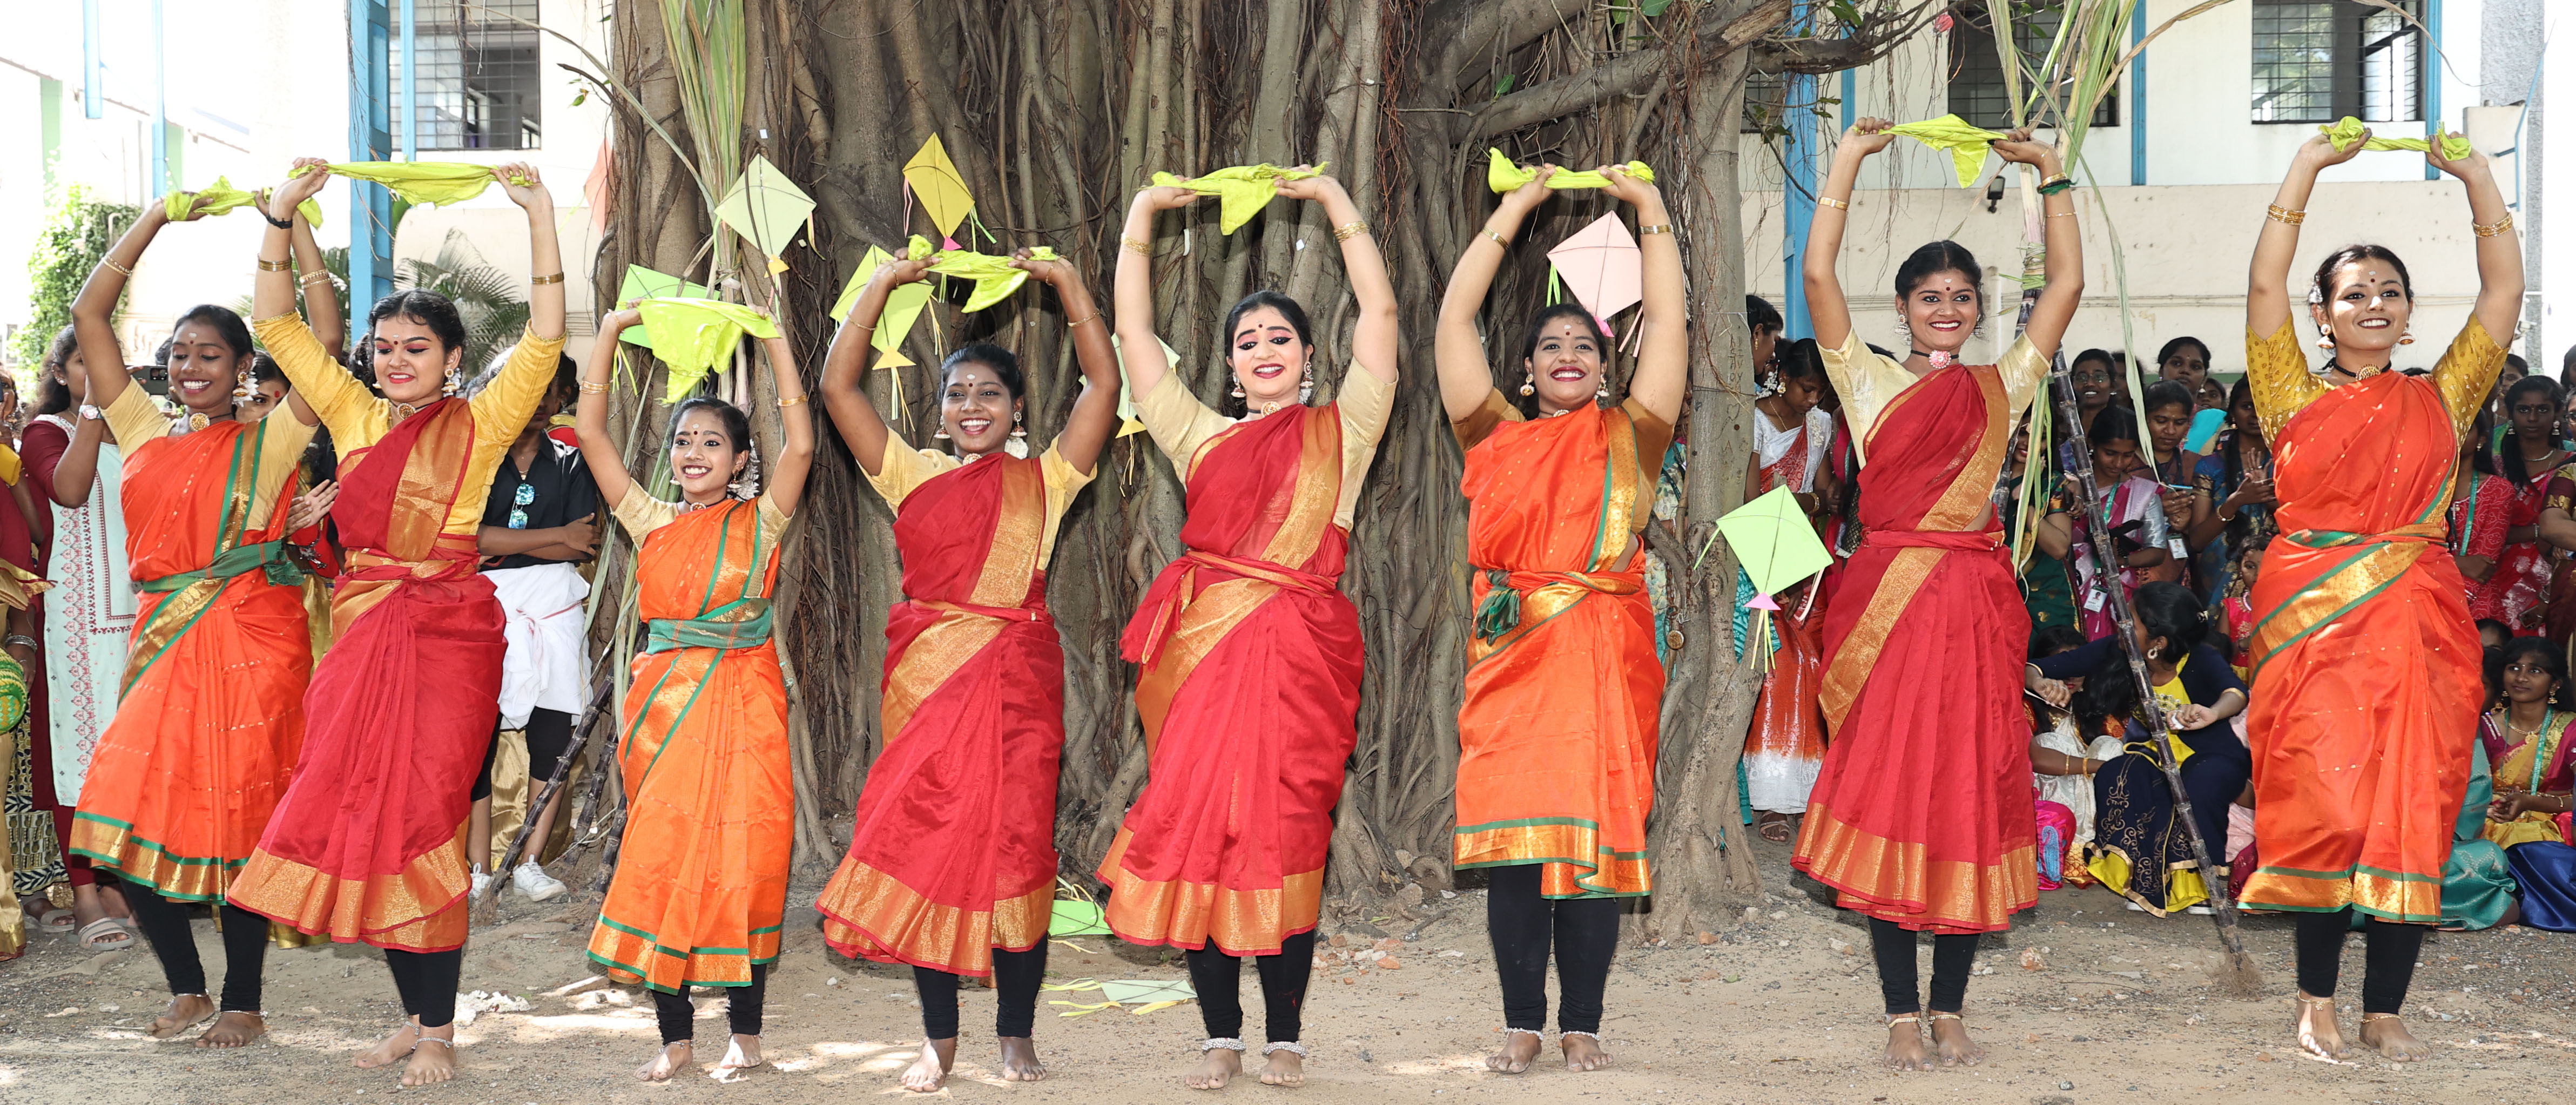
column 1146, row 248
column 1348, row 231
column 1497, row 239
column 542, row 281
column 321, row 275
column 2053, row 179
column 266, row 265
column 1654, row 228
column 588, row 388
column 2492, row 229
column 1838, row 205
column 2280, row 214
column 792, row 400
column 111, row 263
column 1092, row 317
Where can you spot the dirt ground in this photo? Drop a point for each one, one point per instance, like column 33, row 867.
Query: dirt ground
column 1780, row 1007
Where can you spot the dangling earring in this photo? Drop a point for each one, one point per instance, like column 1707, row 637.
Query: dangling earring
column 943, row 432
column 1769, row 386
column 1016, row 430
column 1904, row 333
column 1602, row 394
column 2325, row 339
column 1529, row 384
column 455, row 383
column 243, row 388
column 2406, row 337
column 1306, row 385
column 1238, row 390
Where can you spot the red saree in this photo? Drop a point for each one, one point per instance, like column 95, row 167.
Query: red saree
column 367, row 844
column 701, row 882
column 954, row 851
column 207, row 734
column 1556, row 736
column 2366, row 668
column 1249, row 696
column 1922, row 814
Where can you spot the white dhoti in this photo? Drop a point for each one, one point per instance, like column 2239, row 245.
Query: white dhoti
column 545, row 664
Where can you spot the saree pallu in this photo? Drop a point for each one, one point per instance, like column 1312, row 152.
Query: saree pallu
column 1923, row 812
column 1249, row 695
column 701, row 883
column 1556, row 736
column 368, row 843
column 953, row 853
column 212, row 722
column 2366, row 669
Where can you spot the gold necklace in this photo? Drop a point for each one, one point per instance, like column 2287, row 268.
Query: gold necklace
column 2506, row 712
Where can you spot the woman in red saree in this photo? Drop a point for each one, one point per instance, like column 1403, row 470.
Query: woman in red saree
column 2366, row 668
column 211, row 719
column 700, row 895
column 366, row 844
column 1249, row 690
column 1922, row 816
column 1556, row 736
column 952, row 865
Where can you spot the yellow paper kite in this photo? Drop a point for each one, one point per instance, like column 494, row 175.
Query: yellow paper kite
column 935, row 181
column 1241, row 190
column 2343, row 134
column 766, row 208
column 691, row 335
column 903, row 305
column 436, row 182
column 1967, row 145
column 1503, row 176
column 221, row 198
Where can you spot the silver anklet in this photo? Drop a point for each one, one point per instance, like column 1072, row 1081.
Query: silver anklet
column 1595, row 1037
column 440, row 1041
column 1292, row 1047
column 1510, row 1032
column 1213, row 1043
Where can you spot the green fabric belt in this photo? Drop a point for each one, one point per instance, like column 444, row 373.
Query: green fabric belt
column 713, row 631
column 267, row 556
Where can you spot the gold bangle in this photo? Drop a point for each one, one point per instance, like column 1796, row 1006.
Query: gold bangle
column 2055, row 179
column 111, row 263
column 266, row 265
column 588, row 388
column 2280, row 214
column 1654, row 228
column 791, row 400
column 1146, row 248
column 1348, row 231
column 542, row 281
column 1829, row 201
column 2492, row 229
column 1497, row 239
column 318, row 274
column 1092, row 317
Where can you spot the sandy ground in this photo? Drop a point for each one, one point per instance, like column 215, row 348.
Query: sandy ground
column 1782, row 1006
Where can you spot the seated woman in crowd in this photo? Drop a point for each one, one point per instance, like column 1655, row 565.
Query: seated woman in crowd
column 2525, row 737
column 2138, row 529
column 2068, row 745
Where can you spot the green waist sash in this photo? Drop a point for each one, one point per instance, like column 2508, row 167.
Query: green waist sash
column 736, row 625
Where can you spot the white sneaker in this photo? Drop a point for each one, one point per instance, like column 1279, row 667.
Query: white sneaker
column 532, row 881
column 482, row 881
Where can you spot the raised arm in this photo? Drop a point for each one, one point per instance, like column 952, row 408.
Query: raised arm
column 321, row 385
column 2267, row 287
column 1132, row 297
column 1095, row 412
column 2064, row 241
column 590, row 412
column 1373, row 336
column 786, row 475
column 1827, row 309
column 545, row 253
column 1458, row 351
column 102, row 357
column 321, row 298
column 861, row 427
column 2500, row 282
column 1663, row 349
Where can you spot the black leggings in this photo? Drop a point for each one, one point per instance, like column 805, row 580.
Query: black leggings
column 1016, row 978
column 165, row 923
column 2389, row 954
column 549, row 736
column 742, row 1008
column 1583, row 931
column 427, row 981
column 1218, row 978
column 1892, row 945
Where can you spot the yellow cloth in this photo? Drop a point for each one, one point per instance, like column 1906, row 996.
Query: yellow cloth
column 1241, row 190
column 221, row 198
column 420, row 181
column 995, row 279
column 359, row 418
column 691, row 335
column 905, row 468
column 2344, row 133
column 1182, row 425
column 9, row 465
column 134, row 418
column 1967, row 145
column 1503, row 176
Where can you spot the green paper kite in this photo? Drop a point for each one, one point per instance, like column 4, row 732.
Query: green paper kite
column 1241, row 190
column 2343, row 134
column 1147, row 995
column 436, row 182
column 1966, row 144
column 1774, row 541
column 1503, row 176
column 903, row 306
column 641, row 283
column 1076, row 919
column 767, row 209
column 692, row 335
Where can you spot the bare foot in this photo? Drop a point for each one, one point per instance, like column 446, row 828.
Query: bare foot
column 2318, row 1036
column 930, row 1072
column 1020, row 1060
column 1582, row 1051
column 184, row 1010
column 233, row 1029
column 1950, row 1038
column 672, row 1059
column 435, row 1059
column 742, row 1054
column 391, row 1047
column 2388, row 1034
column 1217, row 1066
column 1283, row 1068
column 1519, row 1050
column 1905, row 1043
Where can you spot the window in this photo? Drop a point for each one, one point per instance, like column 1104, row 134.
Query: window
column 2316, row 61
column 477, row 88
column 1977, row 73
column 1766, row 102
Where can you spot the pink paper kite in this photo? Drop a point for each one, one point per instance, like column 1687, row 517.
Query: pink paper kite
column 1601, row 266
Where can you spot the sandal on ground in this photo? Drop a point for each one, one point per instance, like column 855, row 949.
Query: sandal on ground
column 1766, row 822
column 54, row 918
column 106, row 935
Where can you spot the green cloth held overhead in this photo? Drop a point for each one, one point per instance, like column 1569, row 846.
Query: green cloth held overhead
column 1967, row 144
column 220, row 198
column 1241, row 190
column 1503, row 176
column 691, row 335
column 2343, row 134
column 437, row 182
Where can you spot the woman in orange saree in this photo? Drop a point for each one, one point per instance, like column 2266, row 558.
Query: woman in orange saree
column 1556, row 735
column 366, row 844
column 211, row 718
column 700, row 894
column 952, row 863
column 1922, row 817
column 2366, row 667
column 1249, row 690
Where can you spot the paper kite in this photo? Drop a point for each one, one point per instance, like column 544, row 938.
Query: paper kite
column 1966, row 144
column 1774, row 542
column 903, row 305
column 1146, row 992
column 693, row 335
column 2343, row 134
column 767, row 208
column 434, row 182
column 935, row 181
column 1601, row 266
column 1241, row 190
column 1076, row 919
column 641, row 283
column 1503, row 176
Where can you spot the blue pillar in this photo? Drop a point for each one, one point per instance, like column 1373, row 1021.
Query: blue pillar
column 2433, row 78
column 93, row 98
column 160, row 182
column 2137, row 105
column 1799, row 188
column 371, row 240
column 410, row 89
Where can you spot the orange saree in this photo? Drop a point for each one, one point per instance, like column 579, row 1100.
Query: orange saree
column 1922, row 812
column 701, row 880
column 212, row 720
column 2366, row 667
column 954, row 851
column 1556, row 736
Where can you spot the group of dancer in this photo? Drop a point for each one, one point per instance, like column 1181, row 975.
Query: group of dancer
column 327, row 797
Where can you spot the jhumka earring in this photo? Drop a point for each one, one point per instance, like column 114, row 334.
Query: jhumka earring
column 943, row 432
column 1529, row 384
column 1238, row 390
column 1306, row 385
column 455, row 383
column 1016, row 430
column 2325, row 339
column 1602, row 394
column 2407, row 337
column 244, row 389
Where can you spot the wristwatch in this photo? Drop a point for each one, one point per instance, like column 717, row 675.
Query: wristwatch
column 89, row 413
